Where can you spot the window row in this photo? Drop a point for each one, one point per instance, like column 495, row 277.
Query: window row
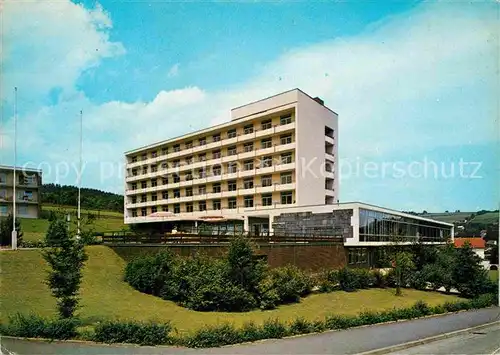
column 232, row 133
column 286, row 198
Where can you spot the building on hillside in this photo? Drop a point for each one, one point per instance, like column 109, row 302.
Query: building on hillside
column 27, row 183
column 478, row 245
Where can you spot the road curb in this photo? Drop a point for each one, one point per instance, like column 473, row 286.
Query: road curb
column 414, row 343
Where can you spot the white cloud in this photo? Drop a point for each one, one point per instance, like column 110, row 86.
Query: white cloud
column 174, row 70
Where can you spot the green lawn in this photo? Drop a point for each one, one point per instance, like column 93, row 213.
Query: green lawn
column 105, row 295
column 493, row 275
column 73, row 209
column 487, row 218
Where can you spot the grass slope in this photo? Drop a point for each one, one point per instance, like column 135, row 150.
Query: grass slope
column 73, row 209
column 105, row 295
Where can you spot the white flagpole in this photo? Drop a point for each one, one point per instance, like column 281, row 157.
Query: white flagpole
column 14, row 197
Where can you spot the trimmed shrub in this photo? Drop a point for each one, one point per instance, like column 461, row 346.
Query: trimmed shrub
column 213, row 336
column 301, row 326
column 365, row 278
column 34, row 326
column 290, row 283
column 274, row 329
column 336, row 322
column 379, row 279
column 421, row 309
column 132, row 332
column 348, row 280
column 251, row 332
column 328, row 281
column 268, row 296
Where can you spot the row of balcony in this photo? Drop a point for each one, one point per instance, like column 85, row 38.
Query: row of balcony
column 19, row 199
column 218, row 144
column 20, row 184
column 241, row 191
column 211, row 162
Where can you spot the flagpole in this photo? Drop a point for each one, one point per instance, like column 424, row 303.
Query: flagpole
column 80, row 173
column 14, row 197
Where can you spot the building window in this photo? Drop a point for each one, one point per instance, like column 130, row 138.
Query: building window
column 286, row 158
column 154, row 168
column 202, row 206
column 329, row 132
column 176, row 178
column 216, row 205
column 232, row 168
column 202, row 157
column 248, row 129
column 216, row 188
column 248, row 165
column 216, row 137
column 201, row 173
column 266, row 143
column 202, row 189
column 154, row 154
column 177, row 208
column 329, row 166
column 267, row 200
column 266, row 124
column 286, row 139
column 189, row 160
column 144, row 157
column 134, row 213
column 266, row 162
column 189, row 191
column 189, row 207
column 144, row 184
column 216, row 154
column 248, row 200
column 231, row 203
column 286, row 198
column 164, row 208
column 286, row 178
column 248, row 183
column 134, row 160
column 154, row 183
column 145, row 170
column 164, row 151
column 164, row 195
column 266, row 180
column 231, row 185
column 202, row 141
column 216, row 170
column 176, row 163
column 134, row 199
column 248, row 147
column 189, row 176
column 164, row 165
column 286, row 119
column 231, row 150
column 154, row 209
column 134, row 186
column 177, row 148
column 231, row 133
column 189, row 144
column 164, row 181
column 144, row 212
column 154, row 197
column 177, row 193
column 134, row 172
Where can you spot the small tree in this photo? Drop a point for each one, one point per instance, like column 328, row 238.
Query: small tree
column 402, row 262
column 469, row 277
column 6, row 230
column 66, row 257
column 244, row 270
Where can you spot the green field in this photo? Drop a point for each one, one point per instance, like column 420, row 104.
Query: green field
column 487, row 218
column 73, row 209
column 104, row 295
column 448, row 217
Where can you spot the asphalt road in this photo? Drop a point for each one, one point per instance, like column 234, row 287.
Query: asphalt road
column 351, row 341
column 483, row 341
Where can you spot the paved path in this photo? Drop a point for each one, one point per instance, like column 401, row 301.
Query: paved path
column 351, row 341
column 483, row 341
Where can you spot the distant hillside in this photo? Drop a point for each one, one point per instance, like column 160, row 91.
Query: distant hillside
column 90, row 198
column 469, row 224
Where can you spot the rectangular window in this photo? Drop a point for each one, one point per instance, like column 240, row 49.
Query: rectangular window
column 216, row 137
column 202, row 173
column 134, row 199
column 329, row 132
column 164, row 165
column 266, row 180
column 266, row 162
column 164, row 195
column 216, row 170
column 248, row 183
column 177, row 148
column 177, row 193
column 145, row 170
column 164, row 208
column 216, row 188
column 231, row 133
column 202, row 189
column 231, row 185
column 189, row 160
column 154, row 209
column 267, row 200
column 134, row 213
column 231, row 203
column 154, row 154
column 154, row 168
column 189, row 191
column 286, row 119
column 248, row 129
column 216, row 205
column 134, row 159
column 248, row 200
column 202, row 141
column 248, row 147
column 286, row 178
column 232, row 168
column 266, row 124
column 144, row 184
column 154, row 197
column 248, row 165
column 202, row 206
column 189, row 207
column 286, row 158
column 134, row 172
column 144, row 212
column 202, row 157
column 286, row 139
column 176, row 178
column 231, row 150
column 177, row 208
column 144, row 157
column 189, row 144
column 216, row 154
column 266, row 143
column 189, row 176
column 134, row 186
column 176, row 163
column 286, row 198
column 164, row 151
column 164, row 181
column 154, row 183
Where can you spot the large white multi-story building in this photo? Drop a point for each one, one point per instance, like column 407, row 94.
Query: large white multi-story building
column 275, row 153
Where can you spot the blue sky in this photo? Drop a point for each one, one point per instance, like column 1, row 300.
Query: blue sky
column 415, row 85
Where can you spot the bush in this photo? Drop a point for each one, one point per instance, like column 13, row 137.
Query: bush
column 213, row 336
column 268, row 296
column 365, row 278
column 348, row 280
column 251, row 332
column 328, row 281
column 32, row 244
column 33, row 326
column 379, row 279
column 337, row 322
column 132, row 332
column 274, row 329
column 301, row 326
column 290, row 283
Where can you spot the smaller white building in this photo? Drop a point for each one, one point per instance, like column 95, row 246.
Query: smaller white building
column 478, row 246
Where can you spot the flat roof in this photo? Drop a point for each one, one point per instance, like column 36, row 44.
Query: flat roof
column 20, row 168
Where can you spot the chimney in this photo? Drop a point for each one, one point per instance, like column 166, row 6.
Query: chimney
column 319, row 101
